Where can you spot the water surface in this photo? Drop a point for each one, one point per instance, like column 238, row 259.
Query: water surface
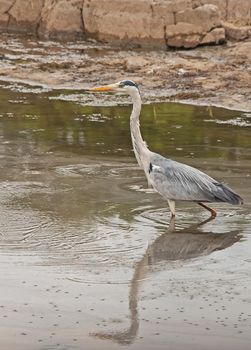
column 89, row 258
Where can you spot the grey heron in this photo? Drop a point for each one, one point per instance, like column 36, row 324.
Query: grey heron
column 174, row 181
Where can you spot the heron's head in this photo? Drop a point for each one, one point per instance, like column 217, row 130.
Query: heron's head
column 126, row 86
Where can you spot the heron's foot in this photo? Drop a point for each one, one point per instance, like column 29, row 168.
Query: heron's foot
column 212, row 211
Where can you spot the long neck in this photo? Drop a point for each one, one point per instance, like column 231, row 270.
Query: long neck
column 139, row 146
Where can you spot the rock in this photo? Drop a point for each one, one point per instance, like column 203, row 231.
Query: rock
column 205, row 17
column 5, row 6
column 160, row 18
column 221, row 5
column 237, row 33
column 216, row 36
column 183, row 35
column 173, row 6
column 128, row 21
column 194, row 27
column 239, row 11
column 25, row 15
column 4, row 20
column 142, row 21
column 149, row 23
column 135, row 63
column 155, row 22
column 62, row 19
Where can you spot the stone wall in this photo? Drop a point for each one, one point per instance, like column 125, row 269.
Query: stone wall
column 152, row 23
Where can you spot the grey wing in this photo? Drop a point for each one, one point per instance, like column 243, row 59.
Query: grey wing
column 177, row 181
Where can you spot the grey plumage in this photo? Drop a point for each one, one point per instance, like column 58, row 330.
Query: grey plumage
column 177, row 181
column 172, row 180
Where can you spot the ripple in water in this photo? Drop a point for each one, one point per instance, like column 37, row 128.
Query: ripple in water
column 95, row 247
column 103, row 242
column 98, row 170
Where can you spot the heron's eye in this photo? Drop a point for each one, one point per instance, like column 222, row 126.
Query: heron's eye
column 121, row 84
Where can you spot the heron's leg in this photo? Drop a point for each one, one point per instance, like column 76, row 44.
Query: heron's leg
column 212, row 211
column 172, row 207
column 171, row 227
column 149, row 184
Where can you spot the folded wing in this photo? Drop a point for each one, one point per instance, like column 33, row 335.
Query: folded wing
column 177, row 181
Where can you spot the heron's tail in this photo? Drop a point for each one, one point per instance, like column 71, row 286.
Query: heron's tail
column 225, row 194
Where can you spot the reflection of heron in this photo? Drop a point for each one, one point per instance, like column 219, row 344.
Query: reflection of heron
column 173, row 245
column 188, row 243
column 173, row 180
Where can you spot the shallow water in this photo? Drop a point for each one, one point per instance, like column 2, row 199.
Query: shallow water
column 89, row 258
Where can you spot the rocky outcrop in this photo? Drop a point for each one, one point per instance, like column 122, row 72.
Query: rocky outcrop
column 5, row 6
column 124, row 22
column 235, row 11
column 46, row 18
column 180, row 23
column 236, row 32
column 216, row 36
column 62, row 19
column 153, row 23
column 22, row 15
column 193, row 27
column 161, row 23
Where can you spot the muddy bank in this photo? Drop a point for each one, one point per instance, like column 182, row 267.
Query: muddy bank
column 207, row 75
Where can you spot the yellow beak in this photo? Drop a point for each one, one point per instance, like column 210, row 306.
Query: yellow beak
column 111, row 87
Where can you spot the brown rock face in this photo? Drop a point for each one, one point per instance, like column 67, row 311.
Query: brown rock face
column 195, row 27
column 62, row 18
column 160, row 23
column 127, row 21
column 153, row 23
column 237, row 33
column 5, row 6
column 183, row 35
column 236, row 11
column 239, row 11
column 204, row 17
column 216, row 36
column 25, row 15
